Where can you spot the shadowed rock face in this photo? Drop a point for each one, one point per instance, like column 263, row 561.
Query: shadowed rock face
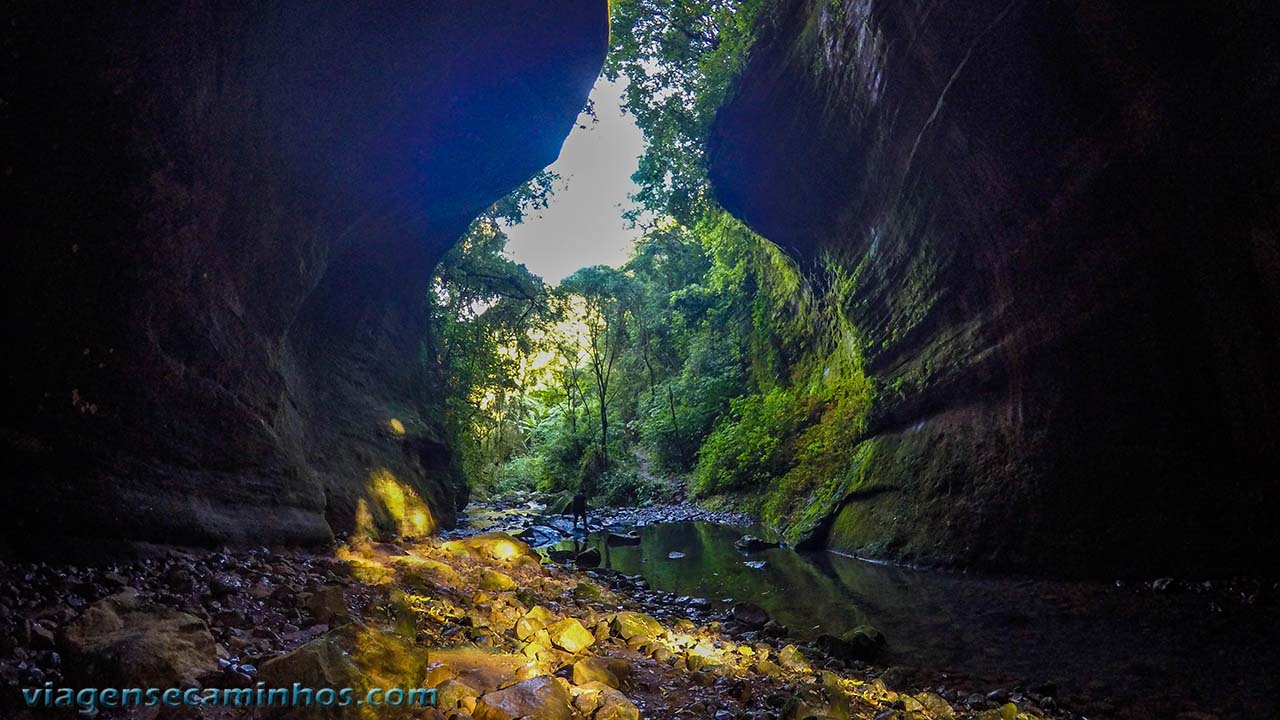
column 226, row 219
column 1064, row 221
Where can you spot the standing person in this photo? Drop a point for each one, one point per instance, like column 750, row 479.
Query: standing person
column 579, row 506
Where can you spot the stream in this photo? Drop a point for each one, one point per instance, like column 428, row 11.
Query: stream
column 1111, row 650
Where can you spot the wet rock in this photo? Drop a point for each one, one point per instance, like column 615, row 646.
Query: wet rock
column 223, row 584
column 750, row 614
column 121, row 641
column 622, row 538
column 861, row 643
column 539, row 698
column 353, row 656
column 41, row 637
column 587, row 558
column 751, row 543
column 586, row 591
column 453, row 693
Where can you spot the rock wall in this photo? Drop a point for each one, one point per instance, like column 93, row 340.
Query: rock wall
column 1063, row 221
column 225, row 219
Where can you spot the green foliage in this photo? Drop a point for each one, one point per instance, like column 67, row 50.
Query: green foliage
column 748, row 447
column 681, row 59
column 709, row 353
column 484, row 309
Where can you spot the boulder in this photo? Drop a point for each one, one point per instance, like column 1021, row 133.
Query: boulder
column 628, row 625
column 750, row 614
column 569, row 635
column 354, row 656
column 121, row 641
column 329, row 606
column 425, row 572
column 605, row 702
column 496, row 581
column 790, row 658
column 497, row 547
column 587, row 558
column 539, row 698
column 610, row 671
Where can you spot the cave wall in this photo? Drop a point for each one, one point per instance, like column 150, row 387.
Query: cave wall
column 1063, row 221
column 224, row 219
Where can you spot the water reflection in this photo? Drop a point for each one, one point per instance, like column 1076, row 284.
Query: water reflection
column 1137, row 651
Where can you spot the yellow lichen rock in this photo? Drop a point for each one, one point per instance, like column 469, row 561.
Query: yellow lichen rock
column 569, row 635
column 633, row 624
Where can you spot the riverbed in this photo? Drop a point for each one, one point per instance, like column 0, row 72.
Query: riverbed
column 1111, row 650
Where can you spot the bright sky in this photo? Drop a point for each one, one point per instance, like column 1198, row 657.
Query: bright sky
column 583, row 225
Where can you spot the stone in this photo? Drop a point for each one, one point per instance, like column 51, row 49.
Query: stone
column 41, row 637
column 496, row 547
column 628, row 625
column 622, row 538
column 751, row 543
column 539, row 698
column 586, row 591
column 936, row 706
column 223, row 584
column 587, row 558
column 329, row 606
column 610, row 704
column 496, row 582
column 453, row 693
column 426, row 573
column 570, row 635
column 750, row 614
column 354, row 656
column 610, row 671
column 790, row 658
column 767, row 667
column 121, row 641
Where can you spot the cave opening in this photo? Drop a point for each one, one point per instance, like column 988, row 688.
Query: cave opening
column 643, row 358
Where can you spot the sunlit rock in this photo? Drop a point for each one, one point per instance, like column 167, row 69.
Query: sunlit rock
column 569, row 635
column 629, row 625
column 354, row 656
column 607, row 702
column 539, row 698
column 610, row 671
column 936, row 706
column 493, row 547
column 425, row 572
column 791, row 658
column 496, row 581
column 453, row 693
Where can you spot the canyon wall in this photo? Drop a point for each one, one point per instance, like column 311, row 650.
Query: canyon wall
column 225, row 217
column 1062, row 218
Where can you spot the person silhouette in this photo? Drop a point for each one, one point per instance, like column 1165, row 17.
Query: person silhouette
column 579, row 508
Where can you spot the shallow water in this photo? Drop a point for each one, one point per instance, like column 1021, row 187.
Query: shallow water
column 1112, row 652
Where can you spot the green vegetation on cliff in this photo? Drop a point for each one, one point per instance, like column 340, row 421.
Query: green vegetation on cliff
column 708, row 357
